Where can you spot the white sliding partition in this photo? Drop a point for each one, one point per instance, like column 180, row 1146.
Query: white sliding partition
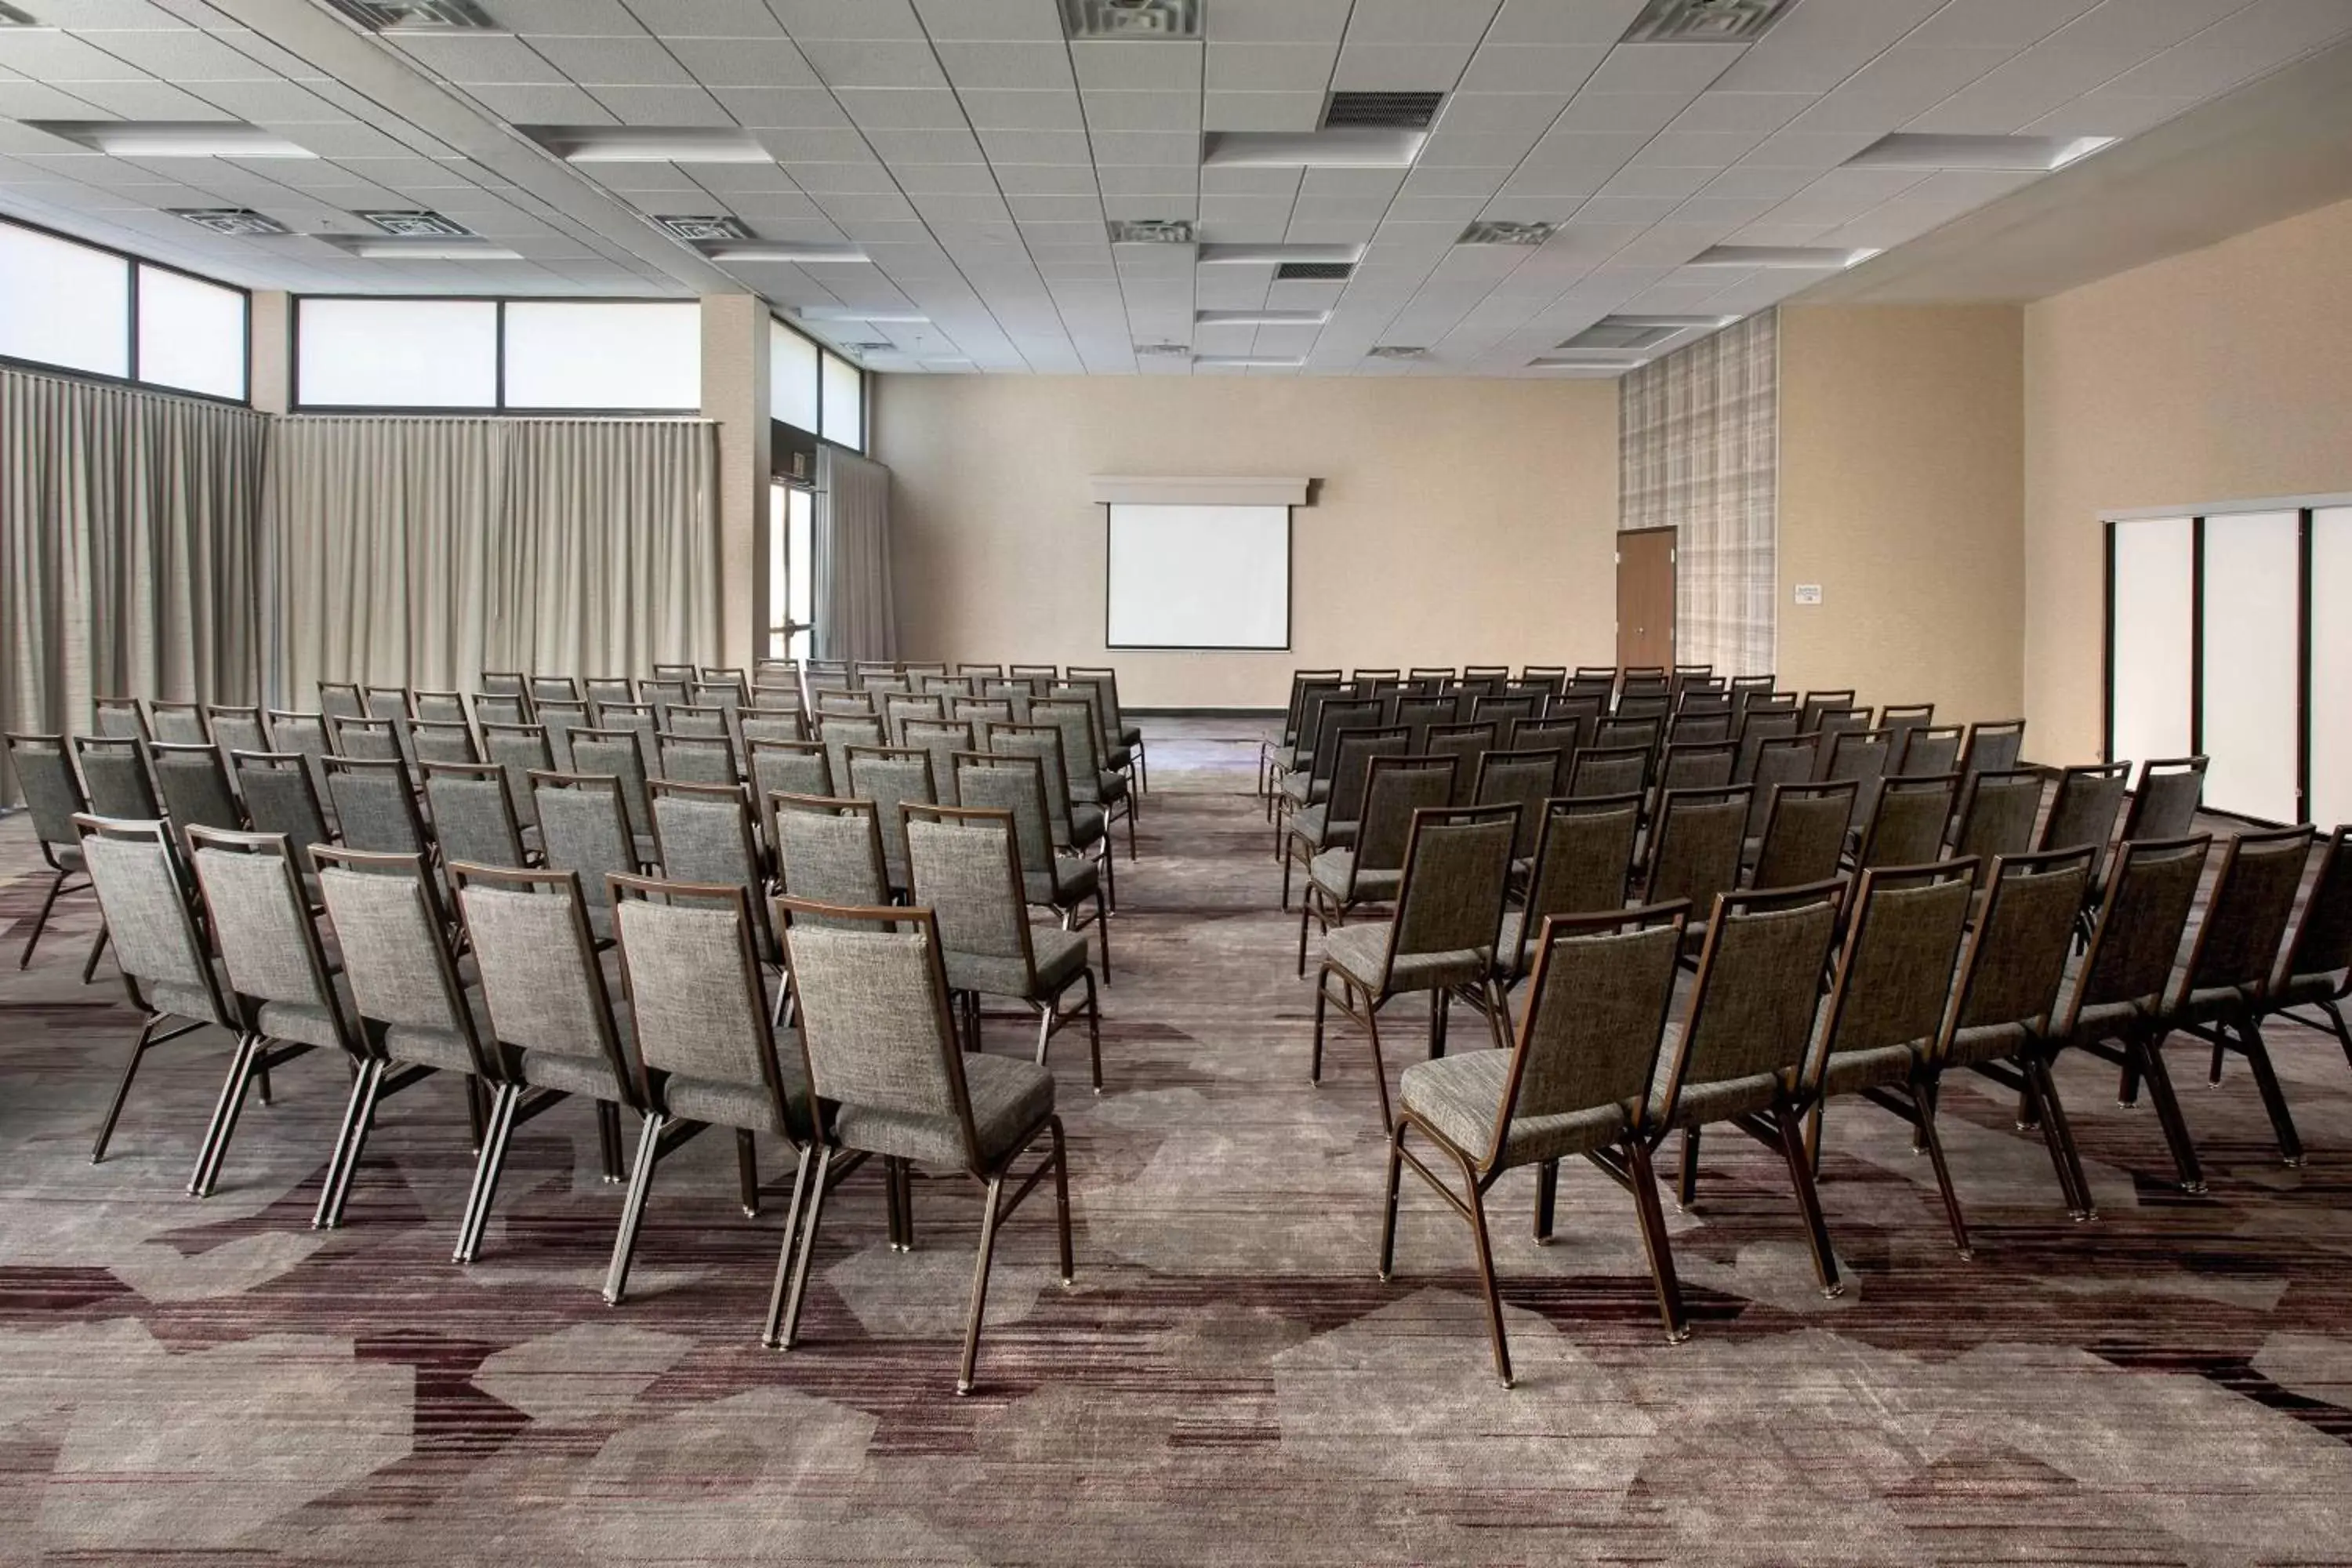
column 2153, row 651
column 2331, row 665
column 2252, row 663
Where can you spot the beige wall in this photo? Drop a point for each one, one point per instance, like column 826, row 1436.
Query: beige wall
column 1453, row 521
column 2224, row 374
column 1901, row 455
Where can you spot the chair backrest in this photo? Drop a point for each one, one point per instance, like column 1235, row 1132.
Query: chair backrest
column 1780, row 762
column 1645, row 686
column 696, row 759
column 439, row 707
column 583, row 827
column 694, row 718
column 617, row 754
column 1565, row 733
column 1017, row 785
column 238, row 730
column 876, row 1032
column 1836, row 721
column 690, row 951
column 1526, row 779
column 541, row 985
column 1994, row 747
column 195, row 785
column 372, row 738
column 651, row 694
column 1584, row 855
column 1818, row 703
column 2322, row 937
column 1457, row 869
column 725, row 694
column 388, row 701
column 441, row 741
column 521, row 750
column 1894, row 976
column 948, row 686
column 374, row 807
column 395, row 953
column 893, row 778
column 1597, row 999
column 1417, row 714
column 1997, row 814
column 1106, row 684
column 1016, row 696
column 761, row 723
column 1396, row 789
column 2165, row 804
column 120, row 718
column 1899, row 720
column 603, row 688
column 2246, row 917
column 1906, row 827
column 789, row 767
column 1687, row 727
column 142, row 893
column 504, row 682
column 1505, row 711
column 643, row 718
column 837, row 733
column 2090, row 799
column 979, row 712
column 114, row 776
column 1804, row 833
column 500, row 708
column 1695, row 849
column 940, row 740
column 305, row 734
column 1351, row 768
column 473, row 812
column 53, row 796
column 1760, row 725
column 1075, row 720
column 1334, row 718
column 2138, row 938
column 1698, row 765
column 1760, row 981
column 706, row 837
column 280, row 798
column 899, row 707
column 554, row 687
column 559, row 718
column 1465, row 743
column 1929, row 750
column 1597, row 770
column 1044, row 744
column 2017, row 958
column 966, row 869
column 1864, row 757
column 830, row 851
column 1640, row 729
column 260, row 922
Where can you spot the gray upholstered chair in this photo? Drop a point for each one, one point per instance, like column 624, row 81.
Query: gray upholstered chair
column 706, row 837
column 1525, row 779
column 473, row 817
column 1906, row 827
column 620, row 755
column 1076, row 826
column 1584, row 862
column 2115, row 1009
column 1696, row 764
column 178, row 723
column 1576, row 1080
column 1863, row 758
column 2315, row 969
column 880, row 1046
column 508, row 708
column 1124, row 737
column 558, row 718
column 893, row 778
column 696, row 759
column 305, row 734
column 1063, row 883
column 521, row 750
column 829, row 851
column 414, row 1016
column 1328, row 713
column 709, row 723
column 702, row 1045
column 1780, row 762
column 1992, row 747
column 1598, row 772
column 160, row 948
column 1467, row 742
column 505, row 682
column 1804, row 835
column 114, row 776
column 966, row 869
column 1929, row 751
column 584, row 828
column 1899, row 720
column 899, row 707
column 2220, row 993
column 1331, row 822
column 1278, row 754
column 278, row 798
column 771, row 723
column 53, row 797
column 1449, row 916
column 195, row 785
column 1370, row 867
column 1822, row 702
column 1767, row 719
column 441, row 741
column 793, row 767
column 1695, row 848
column 1114, row 781
column 554, row 688
column 120, row 718
column 1740, row 1056
column 2166, row 803
column 288, row 1001
column 367, row 738
column 375, row 809
column 2089, row 802
column 550, row 1015
column 1879, row 1034
column 941, row 738
column 237, row 728
column 1997, row 814
column 1565, row 733
column 341, row 699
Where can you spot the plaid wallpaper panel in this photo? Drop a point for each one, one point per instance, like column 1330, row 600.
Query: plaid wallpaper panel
column 1698, row 450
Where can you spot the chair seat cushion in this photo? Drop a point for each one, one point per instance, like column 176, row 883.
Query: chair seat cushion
column 568, row 1074
column 1059, row 955
column 1363, row 951
column 1986, row 1043
column 1010, row 1099
column 1129, row 736
column 1704, row 1102
column 1850, row 1072
column 1331, row 870
column 1070, row 881
column 302, row 1023
column 725, row 1104
column 2302, row 990
column 1458, row 1095
column 443, row 1048
column 1298, row 786
column 1086, row 823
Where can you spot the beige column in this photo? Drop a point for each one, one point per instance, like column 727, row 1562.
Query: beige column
column 735, row 397
column 272, row 379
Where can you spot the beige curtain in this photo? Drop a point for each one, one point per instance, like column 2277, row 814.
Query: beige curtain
column 1699, row 451
column 130, row 549
column 855, row 609
column 425, row 551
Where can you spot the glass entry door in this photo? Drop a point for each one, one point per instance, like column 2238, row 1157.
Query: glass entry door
column 791, row 527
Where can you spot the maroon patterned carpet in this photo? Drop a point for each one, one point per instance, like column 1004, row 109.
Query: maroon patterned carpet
column 1226, row 1383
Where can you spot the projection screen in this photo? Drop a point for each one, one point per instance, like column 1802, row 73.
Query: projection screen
column 1200, row 576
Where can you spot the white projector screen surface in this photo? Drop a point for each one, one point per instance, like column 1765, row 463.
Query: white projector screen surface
column 2155, row 595
column 1199, row 576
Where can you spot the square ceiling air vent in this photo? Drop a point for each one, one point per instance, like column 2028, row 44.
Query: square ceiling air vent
column 1132, row 18
column 879, row 346
column 418, row 15
column 12, row 17
column 1398, row 350
column 1314, row 271
column 1163, row 351
column 1704, row 21
column 1497, row 231
column 417, row 225
column 1385, row 111
column 230, row 220
column 1150, row 231
column 717, row 227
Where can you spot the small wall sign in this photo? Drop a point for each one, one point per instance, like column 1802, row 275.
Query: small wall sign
column 1809, row 592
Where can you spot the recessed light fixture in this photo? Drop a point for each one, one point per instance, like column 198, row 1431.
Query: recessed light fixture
column 1143, row 19
column 1619, row 334
column 1586, row 367
column 879, row 315
column 1918, row 150
column 1248, row 362
column 1500, row 231
column 1813, row 257
column 780, row 251
column 1262, row 318
column 717, row 226
column 1162, row 351
column 1150, row 231
column 649, row 143
column 877, row 346
column 173, row 138
column 417, row 15
column 1704, row 21
column 235, row 221
column 1398, row 350
column 1214, row 254
column 1340, row 147
column 12, row 17
column 417, row 223
column 421, row 248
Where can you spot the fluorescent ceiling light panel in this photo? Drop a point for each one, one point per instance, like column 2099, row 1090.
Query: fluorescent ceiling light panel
column 1622, row 334
column 1246, row 362
column 780, row 251
column 1592, row 366
column 1262, row 318
column 387, row 248
column 1263, row 255
column 881, row 315
column 1349, row 147
column 649, row 143
column 173, row 138
column 417, row 15
column 1917, row 149
column 1813, row 257
column 1398, row 350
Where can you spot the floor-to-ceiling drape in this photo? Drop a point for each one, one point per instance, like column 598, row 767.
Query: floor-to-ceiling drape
column 423, row 551
column 856, row 607
column 130, row 549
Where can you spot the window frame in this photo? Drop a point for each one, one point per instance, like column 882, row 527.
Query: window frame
column 295, row 404
column 133, row 262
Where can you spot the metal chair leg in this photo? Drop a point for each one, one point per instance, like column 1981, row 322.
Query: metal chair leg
column 789, row 1333
column 1808, row 1205
column 747, row 1171
column 97, row 949
column 1655, row 1242
column 1686, row 1177
column 2266, row 1081
column 41, row 921
column 1093, row 1032
column 122, row 1091
column 771, row 1333
column 1476, row 1209
column 224, row 1114
column 357, row 1113
column 988, row 1223
column 633, row 1211
column 2058, row 1132
column 608, row 1139
column 1546, row 1198
column 2149, row 1052
column 1062, row 1199
column 1923, row 1098
column 1389, row 1203
column 504, row 1097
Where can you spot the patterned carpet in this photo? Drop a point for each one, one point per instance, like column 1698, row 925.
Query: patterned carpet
column 1226, row 1383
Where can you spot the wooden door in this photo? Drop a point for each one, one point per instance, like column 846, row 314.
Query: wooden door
column 1646, row 598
